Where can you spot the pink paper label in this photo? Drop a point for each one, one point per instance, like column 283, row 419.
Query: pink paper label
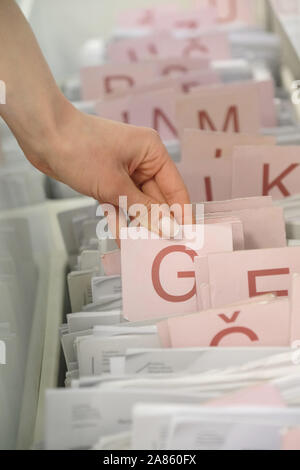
column 99, row 81
column 158, row 275
column 206, row 165
column 243, row 325
column 227, row 108
column 250, row 274
column 262, row 171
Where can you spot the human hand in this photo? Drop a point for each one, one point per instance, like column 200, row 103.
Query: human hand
column 105, row 160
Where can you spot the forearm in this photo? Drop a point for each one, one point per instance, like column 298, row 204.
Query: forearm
column 99, row 158
column 35, row 107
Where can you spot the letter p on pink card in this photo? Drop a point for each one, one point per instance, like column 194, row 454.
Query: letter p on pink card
column 158, row 275
column 103, row 80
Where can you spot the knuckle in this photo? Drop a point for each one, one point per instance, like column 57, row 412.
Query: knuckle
column 148, row 204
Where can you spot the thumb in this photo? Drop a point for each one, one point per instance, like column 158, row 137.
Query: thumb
column 148, row 212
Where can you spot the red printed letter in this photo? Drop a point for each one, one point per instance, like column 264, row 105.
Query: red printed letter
column 195, row 45
column 267, row 186
column 181, row 275
column 208, row 189
column 232, row 115
column 108, row 82
column 159, row 114
column 252, row 275
column 244, row 331
column 173, row 68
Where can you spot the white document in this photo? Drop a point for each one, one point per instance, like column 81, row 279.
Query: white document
column 77, row 418
column 152, row 426
column 105, row 285
column 94, row 352
column 107, row 302
column 87, row 320
column 167, row 361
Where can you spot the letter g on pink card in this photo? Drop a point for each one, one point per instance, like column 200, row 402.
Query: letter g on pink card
column 158, row 275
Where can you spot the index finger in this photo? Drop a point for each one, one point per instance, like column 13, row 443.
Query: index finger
column 173, row 188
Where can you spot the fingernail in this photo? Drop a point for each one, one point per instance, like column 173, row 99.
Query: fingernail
column 169, row 227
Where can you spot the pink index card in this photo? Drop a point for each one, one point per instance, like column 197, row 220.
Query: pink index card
column 206, row 164
column 262, row 171
column 163, row 333
column 117, row 107
column 262, row 324
column 266, row 90
column 238, row 204
column 102, row 80
column 202, row 283
column 193, row 19
column 211, row 180
column 263, row 227
column 213, row 45
column 194, row 79
column 227, row 108
column 147, row 18
column 134, row 50
column 236, row 225
column 137, row 18
column 210, row 45
column 179, row 66
column 156, row 110
column 266, row 100
column 232, row 11
column 111, row 263
column 158, row 275
column 198, row 145
column 203, row 287
column 261, row 395
column 168, row 17
column 291, row 439
column 251, row 273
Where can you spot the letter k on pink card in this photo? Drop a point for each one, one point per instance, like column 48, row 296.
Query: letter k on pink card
column 226, row 108
column 206, row 165
column 261, row 171
column 259, row 324
column 158, row 275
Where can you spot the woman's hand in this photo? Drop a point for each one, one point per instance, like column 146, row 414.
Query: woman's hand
column 99, row 158
column 105, row 160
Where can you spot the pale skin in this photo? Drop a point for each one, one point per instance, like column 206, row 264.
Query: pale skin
column 96, row 157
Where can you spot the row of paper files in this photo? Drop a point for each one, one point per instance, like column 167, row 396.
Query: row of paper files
column 172, row 344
